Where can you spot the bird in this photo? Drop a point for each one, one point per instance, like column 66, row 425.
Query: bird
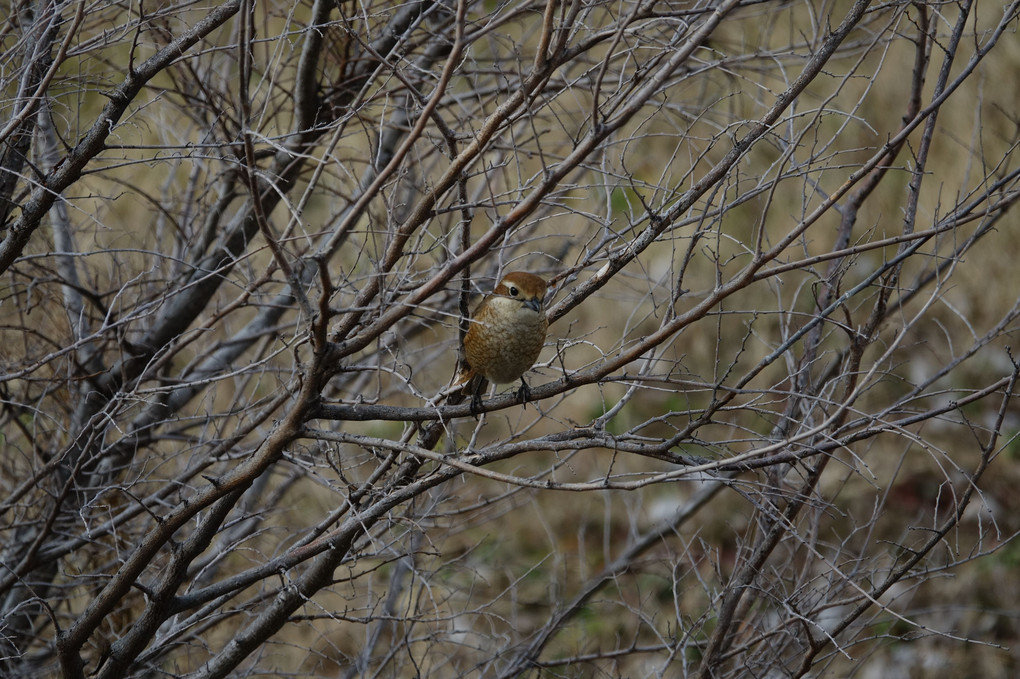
column 504, row 337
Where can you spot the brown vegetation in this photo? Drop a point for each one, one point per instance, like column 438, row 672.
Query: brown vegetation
column 773, row 428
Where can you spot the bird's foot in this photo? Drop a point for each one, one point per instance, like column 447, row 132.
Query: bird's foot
column 524, row 393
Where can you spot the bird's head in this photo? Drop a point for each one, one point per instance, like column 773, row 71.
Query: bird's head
column 526, row 288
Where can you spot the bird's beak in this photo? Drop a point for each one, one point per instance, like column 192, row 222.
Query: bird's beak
column 535, row 304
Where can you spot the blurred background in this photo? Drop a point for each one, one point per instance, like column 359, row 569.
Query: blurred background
column 774, row 426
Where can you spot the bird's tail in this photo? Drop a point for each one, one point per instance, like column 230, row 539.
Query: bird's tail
column 466, row 383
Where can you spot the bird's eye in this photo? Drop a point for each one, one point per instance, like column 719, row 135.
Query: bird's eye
column 513, row 291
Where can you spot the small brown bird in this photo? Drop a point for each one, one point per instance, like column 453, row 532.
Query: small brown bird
column 506, row 334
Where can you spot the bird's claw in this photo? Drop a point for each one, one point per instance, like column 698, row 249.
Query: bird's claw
column 524, row 393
